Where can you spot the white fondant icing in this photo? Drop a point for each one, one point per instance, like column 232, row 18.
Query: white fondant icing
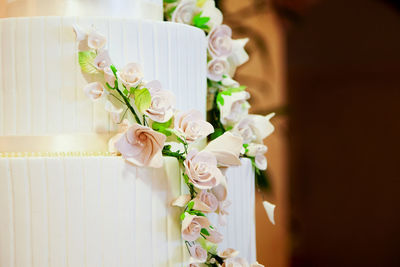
column 41, row 83
column 101, row 211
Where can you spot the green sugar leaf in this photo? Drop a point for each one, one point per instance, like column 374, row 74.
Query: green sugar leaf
column 190, row 205
column 183, row 216
column 162, row 127
column 86, row 59
column 170, row 1
column 204, row 231
column 142, row 99
column 200, row 22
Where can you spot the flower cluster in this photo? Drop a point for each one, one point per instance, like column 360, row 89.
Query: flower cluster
column 227, row 99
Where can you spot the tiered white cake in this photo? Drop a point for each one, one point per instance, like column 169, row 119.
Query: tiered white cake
column 86, row 208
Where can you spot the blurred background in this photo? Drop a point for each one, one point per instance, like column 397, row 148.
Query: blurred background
column 330, row 69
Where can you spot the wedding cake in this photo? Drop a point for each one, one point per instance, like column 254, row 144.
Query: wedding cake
column 66, row 199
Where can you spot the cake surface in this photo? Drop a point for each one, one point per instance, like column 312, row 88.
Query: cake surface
column 41, row 87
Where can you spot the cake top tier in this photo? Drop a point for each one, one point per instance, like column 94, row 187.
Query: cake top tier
column 141, row 9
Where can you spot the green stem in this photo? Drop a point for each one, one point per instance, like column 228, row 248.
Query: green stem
column 126, row 100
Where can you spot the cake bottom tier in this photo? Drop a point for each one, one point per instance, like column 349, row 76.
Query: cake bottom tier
column 101, row 211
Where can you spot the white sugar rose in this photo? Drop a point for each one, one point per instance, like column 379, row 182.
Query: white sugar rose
column 261, row 162
column 234, row 108
column 228, row 253
column 238, row 56
column 192, row 126
column 199, row 254
column 229, row 82
column 122, row 127
column 256, row 264
column 96, row 40
column 220, row 41
column 131, row 75
column 102, row 60
column 94, row 91
column 216, row 68
column 210, row 10
column 201, row 168
column 254, row 128
column 192, row 225
column 185, row 12
column 109, row 76
column 235, row 262
column 142, row 146
column 258, row 151
column 226, row 148
column 162, row 103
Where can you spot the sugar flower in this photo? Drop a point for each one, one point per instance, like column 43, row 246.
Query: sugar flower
column 270, row 209
column 220, row 41
column 199, row 254
column 201, row 168
column 142, row 146
column 96, row 40
column 238, row 56
column 258, row 151
column 94, row 90
column 102, row 60
column 162, row 102
column 192, row 225
column 184, row 12
column 109, row 76
column 131, row 75
column 226, row 148
column 234, row 107
column 254, row 128
column 210, row 10
column 228, row 253
column 122, row 127
column 192, row 125
column 215, row 236
column 256, row 264
column 216, row 68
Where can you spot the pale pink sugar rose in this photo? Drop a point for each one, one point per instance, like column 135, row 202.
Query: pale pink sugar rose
column 226, row 148
column 216, row 68
column 228, row 253
column 221, row 190
column 162, row 103
column 142, row 146
column 131, row 75
column 254, row 128
column 185, row 12
column 214, row 237
column 192, row 125
column 199, row 254
column 96, row 40
column 109, row 76
column 235, row 262
column 192, row 225
column 80, row 34
column 102, row 60
column 205, row 201
column 94, row 91
column 234, row 108
column 223, row 212
column 201, row 168
column 220, row 41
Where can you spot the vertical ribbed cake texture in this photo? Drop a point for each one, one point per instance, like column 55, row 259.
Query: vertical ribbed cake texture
column 41, row 82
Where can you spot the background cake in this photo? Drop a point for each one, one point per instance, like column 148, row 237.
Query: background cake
column 66, row 207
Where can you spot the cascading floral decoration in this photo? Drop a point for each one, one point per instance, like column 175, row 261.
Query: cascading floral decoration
column 150, row 127
column 227, row 103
